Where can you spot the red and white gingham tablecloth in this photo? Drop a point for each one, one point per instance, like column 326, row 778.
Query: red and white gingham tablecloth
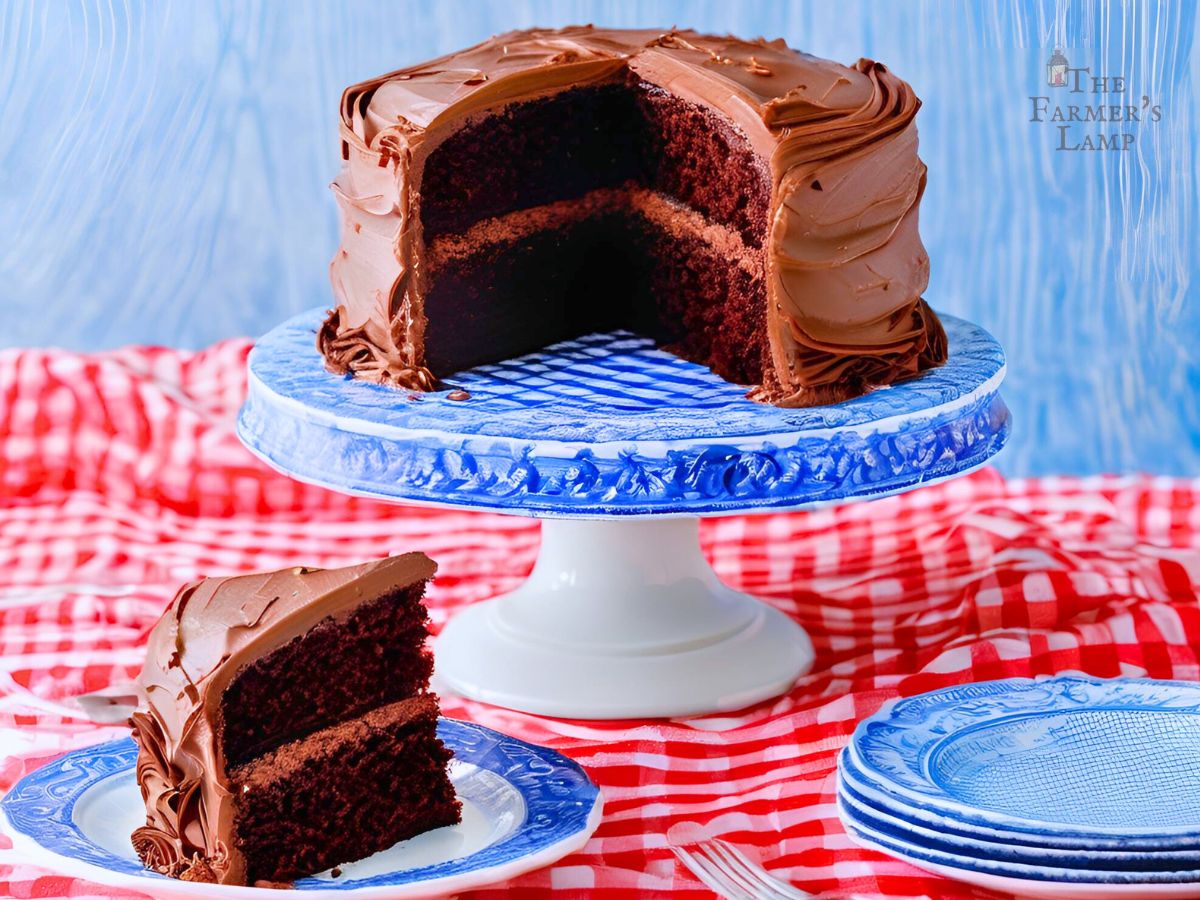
column 121, row 478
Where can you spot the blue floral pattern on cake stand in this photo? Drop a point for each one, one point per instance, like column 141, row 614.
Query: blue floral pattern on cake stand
column 607, row 426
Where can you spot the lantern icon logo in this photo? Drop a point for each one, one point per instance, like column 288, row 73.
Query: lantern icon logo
column 1056, row 69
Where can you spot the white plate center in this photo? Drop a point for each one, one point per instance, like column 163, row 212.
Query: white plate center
column 493, row 810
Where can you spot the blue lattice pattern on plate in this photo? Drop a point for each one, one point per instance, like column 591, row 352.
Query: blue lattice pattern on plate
column 602, row 388
column 559, row 802
column 607, row 425
column 1071, row 755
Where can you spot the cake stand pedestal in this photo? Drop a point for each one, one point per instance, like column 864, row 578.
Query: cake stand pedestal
column 622, row 619
column 620, row 448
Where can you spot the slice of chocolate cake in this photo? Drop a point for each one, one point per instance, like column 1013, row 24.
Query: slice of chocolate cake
column 286, row 724
column 750, row 207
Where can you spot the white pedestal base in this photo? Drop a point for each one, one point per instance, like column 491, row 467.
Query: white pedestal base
column 621, row 619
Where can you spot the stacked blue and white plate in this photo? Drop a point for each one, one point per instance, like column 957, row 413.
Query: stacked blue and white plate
column 1055, row 787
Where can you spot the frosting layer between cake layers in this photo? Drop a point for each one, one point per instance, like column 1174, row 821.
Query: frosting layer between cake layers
column 211, row 631
column 845, row 265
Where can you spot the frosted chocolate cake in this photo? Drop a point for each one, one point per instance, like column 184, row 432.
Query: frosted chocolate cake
column 751, row 208
column 286, row 725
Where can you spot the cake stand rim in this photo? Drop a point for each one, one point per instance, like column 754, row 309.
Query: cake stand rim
column 546, row 513
column 726, row 475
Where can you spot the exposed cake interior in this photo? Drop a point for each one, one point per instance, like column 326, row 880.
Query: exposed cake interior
column 331, row 673
column 343, row 792
column 646, row 212
column 330, row 742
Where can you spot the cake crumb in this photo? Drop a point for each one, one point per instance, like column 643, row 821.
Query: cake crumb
column 336, row 872
column 197, row 870
column 458, row 395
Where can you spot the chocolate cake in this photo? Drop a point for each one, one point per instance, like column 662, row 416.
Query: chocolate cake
column 749, row 207
column 286, row 724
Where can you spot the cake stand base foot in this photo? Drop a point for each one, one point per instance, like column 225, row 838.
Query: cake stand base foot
column 621, row 619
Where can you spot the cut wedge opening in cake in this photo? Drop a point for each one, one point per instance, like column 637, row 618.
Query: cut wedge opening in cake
column 748, row 207
column 286, row 724
column 644, row 212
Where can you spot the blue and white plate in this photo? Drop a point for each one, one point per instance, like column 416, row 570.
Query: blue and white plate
column 1069, row 756
column 524, row 807
column 897, row 825
column 853, row 784
column 1025, row 880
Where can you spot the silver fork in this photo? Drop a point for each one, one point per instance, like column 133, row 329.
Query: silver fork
column 726, row 870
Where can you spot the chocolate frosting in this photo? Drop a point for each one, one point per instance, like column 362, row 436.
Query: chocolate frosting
column 212, row 629
column 845, row 264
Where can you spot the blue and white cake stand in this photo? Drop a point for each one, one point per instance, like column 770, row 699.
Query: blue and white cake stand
column 620, row 448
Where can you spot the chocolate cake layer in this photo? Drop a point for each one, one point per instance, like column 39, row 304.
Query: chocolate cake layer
column 343, row 793
column 632, row 132
column 530, row 159
column 714, row 299
column 814, row 162
column 516, row 296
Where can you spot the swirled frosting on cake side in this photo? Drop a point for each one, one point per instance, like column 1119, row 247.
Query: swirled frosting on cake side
column 845, row 267
column 211, row 630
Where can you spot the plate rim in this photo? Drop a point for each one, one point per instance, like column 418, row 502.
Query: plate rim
column 972, row 349
column 898, row 847
column 144, row 880
column 915, row 754
column 942, row 821
column 1023, row 853
column 1027, row 887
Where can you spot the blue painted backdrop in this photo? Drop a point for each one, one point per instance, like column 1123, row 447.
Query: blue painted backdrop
column 163, row 172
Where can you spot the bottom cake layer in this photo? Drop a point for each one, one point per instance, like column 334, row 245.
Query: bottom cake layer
column 343, row 793
column 617, row 258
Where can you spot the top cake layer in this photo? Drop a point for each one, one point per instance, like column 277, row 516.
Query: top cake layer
column 845, row 264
